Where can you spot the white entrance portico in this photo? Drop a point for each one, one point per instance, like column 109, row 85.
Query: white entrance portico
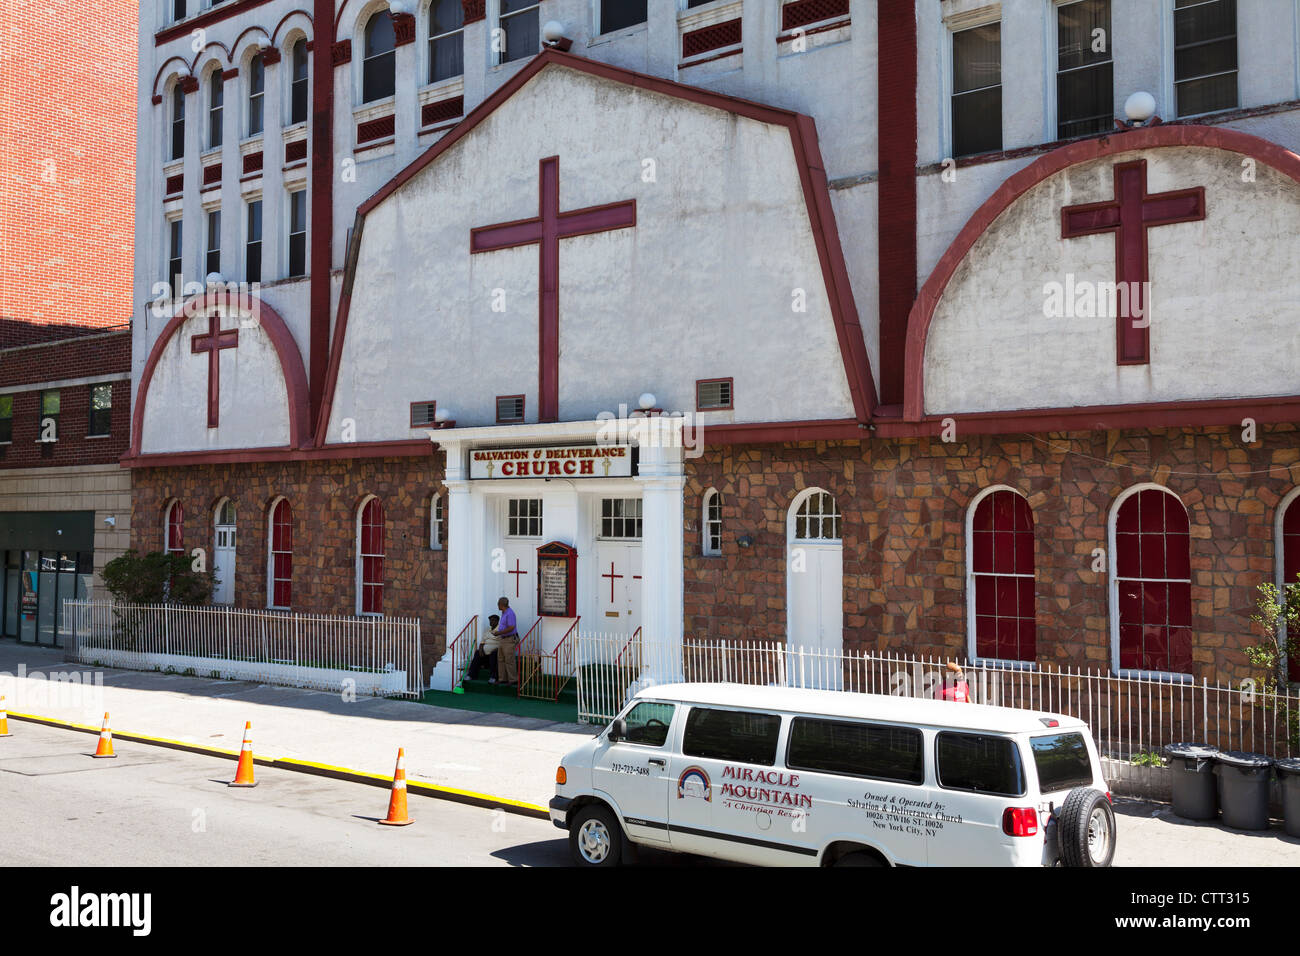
column 626, row 528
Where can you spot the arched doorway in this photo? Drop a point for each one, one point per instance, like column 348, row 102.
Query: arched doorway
column 223, row 552
column 814, row 574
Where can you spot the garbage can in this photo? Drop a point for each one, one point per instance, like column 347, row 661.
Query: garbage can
column 1195, row 792
column 1243, row 788
column 1288, row 772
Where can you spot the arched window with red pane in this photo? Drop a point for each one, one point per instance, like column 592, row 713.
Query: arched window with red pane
column 1000, row 577
column 1151, row 587
column 370, row 558
column 1290, row 561
column 280, row 558
column 174, row 529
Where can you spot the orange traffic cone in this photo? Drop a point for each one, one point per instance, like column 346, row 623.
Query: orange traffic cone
column 4, row 720
column 397, row 802
column 105, row 748
column 244, row 772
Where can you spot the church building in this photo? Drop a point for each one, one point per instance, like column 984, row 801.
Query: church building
column 939, row 326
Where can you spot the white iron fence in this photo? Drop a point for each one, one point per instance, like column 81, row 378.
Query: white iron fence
column 370, row 656
column 1131, row 718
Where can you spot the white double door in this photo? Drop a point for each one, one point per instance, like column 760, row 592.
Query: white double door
column 617, row 587
column 516, row 581
column 815, row 602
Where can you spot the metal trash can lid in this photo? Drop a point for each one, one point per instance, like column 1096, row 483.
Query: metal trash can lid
column 1244, row 761
column 1191, row 750
column 1288, row 765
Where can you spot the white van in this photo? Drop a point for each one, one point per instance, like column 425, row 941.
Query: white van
column 783, row 777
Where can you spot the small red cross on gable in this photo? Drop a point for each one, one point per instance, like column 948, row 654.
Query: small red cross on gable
column 517, row 572
column 546, row 229
column 213, row 343
column 1129, row 215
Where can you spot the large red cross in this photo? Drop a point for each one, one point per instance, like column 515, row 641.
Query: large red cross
column 517, row 572
column 546, row 229
column 1128, row 216
column 213, row 343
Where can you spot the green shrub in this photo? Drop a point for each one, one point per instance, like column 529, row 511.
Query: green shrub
column 157, row 578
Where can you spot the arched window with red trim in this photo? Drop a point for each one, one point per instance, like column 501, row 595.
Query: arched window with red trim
column 1290, row 561
column 280, row 563
column 1151, row 596
column 174, row 529
column 370, row 558
column 1000, row 577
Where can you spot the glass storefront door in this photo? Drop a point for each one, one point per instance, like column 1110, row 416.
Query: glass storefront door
column 36, row 583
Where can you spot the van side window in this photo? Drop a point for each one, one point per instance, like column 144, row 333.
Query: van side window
column 734, row 735
column 979, row 762
column 1062, row 761
column 647, row 723
column 861, row 750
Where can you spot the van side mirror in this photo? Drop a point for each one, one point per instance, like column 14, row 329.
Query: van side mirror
column 618, row 730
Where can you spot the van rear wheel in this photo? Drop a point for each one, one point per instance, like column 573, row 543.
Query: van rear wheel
column 859, row 859
column 1087, row 829
column 595, row 838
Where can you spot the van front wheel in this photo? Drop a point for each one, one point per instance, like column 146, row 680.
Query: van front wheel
column 1087, row 829
column 595, row 838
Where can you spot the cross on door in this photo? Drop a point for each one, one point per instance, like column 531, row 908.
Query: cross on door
column 516, row 572
column 213, row 343
column 546, row 229
column 1128, row 216
column 611, row 577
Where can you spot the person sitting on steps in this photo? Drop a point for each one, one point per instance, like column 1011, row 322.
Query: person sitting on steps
column 485, row 655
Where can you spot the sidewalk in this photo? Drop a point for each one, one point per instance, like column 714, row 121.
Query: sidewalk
column 495, row 754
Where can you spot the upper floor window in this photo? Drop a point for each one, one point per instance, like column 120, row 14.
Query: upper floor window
column 1085, row 100
column 178, row 122
column 1151, row 587
column 101, row 409
column 216, row 107
column 174, row 257
column 212, row 261
column 977, row 90
column 619, row 14
column 446, row 39
column 178, row 9
column 6, row 419
column 520, row 35
column 50, row 404
column 378, row 67
column 1205, row 56
column 1000, row 577
column 298, row 89
column 712, row 523
column 298, row 233
column 256, row 94
column 620, row 518
column 253, row 245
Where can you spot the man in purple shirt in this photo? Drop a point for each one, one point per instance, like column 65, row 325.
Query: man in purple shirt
column 508, row 633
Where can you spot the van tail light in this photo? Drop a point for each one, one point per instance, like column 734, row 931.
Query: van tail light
column 1020, row 821
column 1109, row 798
column 561, row 776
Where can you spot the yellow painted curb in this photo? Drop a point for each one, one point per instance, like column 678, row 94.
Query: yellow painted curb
column 470, row 797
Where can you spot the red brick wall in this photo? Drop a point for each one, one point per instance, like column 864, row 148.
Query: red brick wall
column 324, row 496
column 67, row 173
column 87, row 357
column 904, row 512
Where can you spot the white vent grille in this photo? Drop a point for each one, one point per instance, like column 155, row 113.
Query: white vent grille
column 714, row 394
column 510, row 408
column 422, row 414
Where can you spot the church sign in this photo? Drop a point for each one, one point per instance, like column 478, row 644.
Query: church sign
column 557, row 566
column 569, row 461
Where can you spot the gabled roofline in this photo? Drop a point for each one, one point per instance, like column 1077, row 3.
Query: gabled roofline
column 812, row 177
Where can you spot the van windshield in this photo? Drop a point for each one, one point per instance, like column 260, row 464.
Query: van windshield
column 1062, row 761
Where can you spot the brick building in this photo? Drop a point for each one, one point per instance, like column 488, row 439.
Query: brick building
column 947, row 326
column 67, row 207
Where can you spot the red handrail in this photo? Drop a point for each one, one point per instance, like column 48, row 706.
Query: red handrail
column 461, row 653
column 563, row 656
column 619, row 659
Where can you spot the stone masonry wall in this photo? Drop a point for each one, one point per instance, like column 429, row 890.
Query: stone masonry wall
column 904, row 511
column 324, row 496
